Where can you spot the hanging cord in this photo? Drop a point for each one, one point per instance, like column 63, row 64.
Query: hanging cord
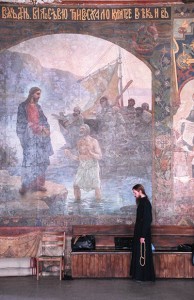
column 142, row 259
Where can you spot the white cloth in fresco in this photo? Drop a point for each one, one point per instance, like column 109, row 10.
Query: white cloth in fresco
column 88, row 177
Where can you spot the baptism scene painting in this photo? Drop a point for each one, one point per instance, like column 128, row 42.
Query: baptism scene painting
column 76, row 127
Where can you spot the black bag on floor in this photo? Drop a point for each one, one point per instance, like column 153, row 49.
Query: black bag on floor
column 83, row 243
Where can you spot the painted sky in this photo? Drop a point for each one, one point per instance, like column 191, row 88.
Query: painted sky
column 83, row 54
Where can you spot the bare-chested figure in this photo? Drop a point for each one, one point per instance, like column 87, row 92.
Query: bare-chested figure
column 89, row 152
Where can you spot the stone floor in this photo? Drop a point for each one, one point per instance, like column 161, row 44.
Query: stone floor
column 50, row 288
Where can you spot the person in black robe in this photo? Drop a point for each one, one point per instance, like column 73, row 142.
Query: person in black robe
column 142, row 269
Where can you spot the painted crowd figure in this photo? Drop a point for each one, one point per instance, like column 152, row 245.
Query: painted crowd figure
column 70, row 125
column 142, row 270
column 33, row 132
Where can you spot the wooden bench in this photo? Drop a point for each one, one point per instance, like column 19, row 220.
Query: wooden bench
column 106, row 262
column 169, row 263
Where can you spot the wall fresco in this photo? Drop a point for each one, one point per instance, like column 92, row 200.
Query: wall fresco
column 70, row 99
column 76, row 63
column 183, row 119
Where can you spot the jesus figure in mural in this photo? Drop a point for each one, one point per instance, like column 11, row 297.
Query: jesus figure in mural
column 88, row 173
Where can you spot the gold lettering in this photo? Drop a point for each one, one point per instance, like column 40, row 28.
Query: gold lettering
column 115, row 14
column 103, row 15
column 35, row 13
column 14, row 14
column 143, row 13
column 4, row 10
column 156, row 13
column 20, row 13
column 54, row 14
column 107, row 14
column 73, row 14
column 49, row 13
column 59, row 14
column 79, row 14
column 137, row 13
column 128, row 13
column 164, row 13
column 85, row 15
column 9, row 13
column 95, row 14
column 121, row 14
column 64, row 14
column 23, row 13
column 148, row 14
column 43, row 15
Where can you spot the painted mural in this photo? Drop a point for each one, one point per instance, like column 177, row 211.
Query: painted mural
column 94, row 100
column 183, row 121
column 76, row 151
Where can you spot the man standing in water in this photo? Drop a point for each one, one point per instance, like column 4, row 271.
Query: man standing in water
column 89, row 152
column 33, row 131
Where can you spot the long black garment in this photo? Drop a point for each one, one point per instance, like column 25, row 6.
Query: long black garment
column 142, row 229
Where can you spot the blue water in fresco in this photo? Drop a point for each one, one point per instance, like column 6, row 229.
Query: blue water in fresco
column 117, row 197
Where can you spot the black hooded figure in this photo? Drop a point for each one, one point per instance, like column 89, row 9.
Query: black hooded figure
column 142, row 268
